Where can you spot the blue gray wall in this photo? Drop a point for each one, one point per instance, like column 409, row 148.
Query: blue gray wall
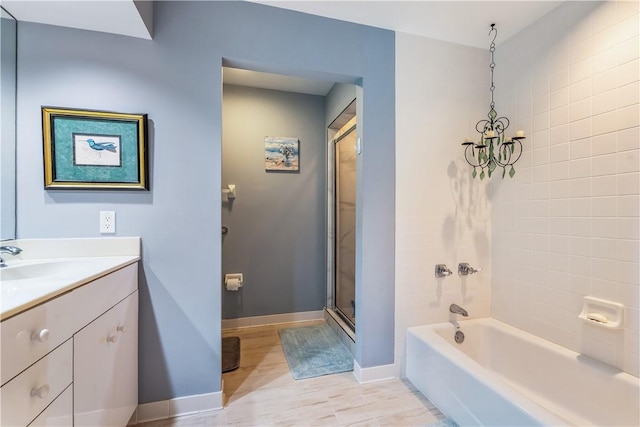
column 176, row 79
column 277, row 223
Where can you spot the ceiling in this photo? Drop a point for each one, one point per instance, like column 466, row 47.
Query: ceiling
column 462, row 22
column 125, row 17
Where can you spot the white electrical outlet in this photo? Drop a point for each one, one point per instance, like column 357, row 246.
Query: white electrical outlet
column 107, row 222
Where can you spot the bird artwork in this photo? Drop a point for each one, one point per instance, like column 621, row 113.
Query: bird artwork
column 100, row 146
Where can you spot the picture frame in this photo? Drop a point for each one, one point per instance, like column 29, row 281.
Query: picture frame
column 91, row 149
column 282, row 154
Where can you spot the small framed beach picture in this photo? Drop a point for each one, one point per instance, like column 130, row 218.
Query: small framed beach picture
column 86, row 149
column 281, row 153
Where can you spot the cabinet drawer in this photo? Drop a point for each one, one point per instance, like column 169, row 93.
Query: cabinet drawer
column 32, row 334
column 28, row 394
column 59, row 413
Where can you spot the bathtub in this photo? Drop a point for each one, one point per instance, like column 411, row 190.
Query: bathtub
column 502, row 376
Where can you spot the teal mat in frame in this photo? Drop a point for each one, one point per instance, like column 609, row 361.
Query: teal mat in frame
column 313, row 351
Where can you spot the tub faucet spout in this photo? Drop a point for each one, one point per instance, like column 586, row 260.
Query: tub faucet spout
column 455, row 308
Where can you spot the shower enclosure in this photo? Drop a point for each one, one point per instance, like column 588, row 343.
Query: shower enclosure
column 343, row 158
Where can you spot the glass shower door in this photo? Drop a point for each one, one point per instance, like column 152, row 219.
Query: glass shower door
column 345, row 226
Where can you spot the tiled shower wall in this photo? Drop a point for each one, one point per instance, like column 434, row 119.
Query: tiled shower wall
column 442, row 216
column 567, row 224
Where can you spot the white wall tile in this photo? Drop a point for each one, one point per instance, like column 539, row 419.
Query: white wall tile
column 559, row 98
column 559, row 116
column 580, row 187
column 582, row 128
column 605, row 60
column 628, row 95
column 540, row 139
column 626, row 9
column 605, row 165
column 585, row 88
column 629, row 206
column 605, row 123
column 629, row 161
column 580, row 50
column 605, row 102
column 628, row 50
column 559, row 134
column 604, row 206
column 583, row 237
column 580, row 110
column 629, row 183
column 604, row 185
column 581, row 148
column 605, row 81
column 559, row 79
column 629, row 139
column 628, row 73
column 628, row 228
column 580, row 70
column 604, row 144
column 559, row 153
column 604, row 40
column 604, row 227
column 605, row 18
column 558, row 189
column 628, row 117
column 628, row 250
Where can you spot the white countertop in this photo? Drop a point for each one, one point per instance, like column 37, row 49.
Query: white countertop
column 47, row 268
column 27, row 283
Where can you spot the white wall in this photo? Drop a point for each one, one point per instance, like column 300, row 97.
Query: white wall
column 442, row 215
column 567, row 224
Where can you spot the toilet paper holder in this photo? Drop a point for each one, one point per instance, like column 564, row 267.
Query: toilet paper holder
column 233, row 281
column 230, row 191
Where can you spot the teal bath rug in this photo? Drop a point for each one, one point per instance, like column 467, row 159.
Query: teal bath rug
column 313, row 351
column 445, row 422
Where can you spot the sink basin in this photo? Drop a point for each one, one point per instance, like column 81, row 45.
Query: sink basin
column 41, row 270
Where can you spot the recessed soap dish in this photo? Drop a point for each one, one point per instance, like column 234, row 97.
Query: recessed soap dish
column 599, row 312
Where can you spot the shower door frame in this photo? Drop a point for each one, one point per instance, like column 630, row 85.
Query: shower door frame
column 334, row 136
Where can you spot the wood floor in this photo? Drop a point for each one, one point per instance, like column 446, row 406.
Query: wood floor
column 262, row 392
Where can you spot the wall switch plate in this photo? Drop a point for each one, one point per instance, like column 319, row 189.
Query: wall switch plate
column 107, row 222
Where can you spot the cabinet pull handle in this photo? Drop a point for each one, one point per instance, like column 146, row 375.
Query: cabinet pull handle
column 41, row 336
column 112, row 338
column 41, row 392
column 121, row 328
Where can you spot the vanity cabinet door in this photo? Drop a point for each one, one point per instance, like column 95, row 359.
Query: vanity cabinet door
column 105, row 367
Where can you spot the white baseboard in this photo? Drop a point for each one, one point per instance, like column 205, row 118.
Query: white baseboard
column 175, row 407
column 374, row 373
column 272, row 319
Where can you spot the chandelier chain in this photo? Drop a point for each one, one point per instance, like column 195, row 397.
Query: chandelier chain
column 492, row 49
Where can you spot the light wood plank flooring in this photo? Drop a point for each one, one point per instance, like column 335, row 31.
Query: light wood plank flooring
column 262, row 392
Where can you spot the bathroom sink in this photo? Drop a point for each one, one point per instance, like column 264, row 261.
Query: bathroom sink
column 27, row 282
column 49, row 269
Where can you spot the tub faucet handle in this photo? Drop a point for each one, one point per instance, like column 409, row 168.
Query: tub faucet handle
column 464, row 269
column 442, row 271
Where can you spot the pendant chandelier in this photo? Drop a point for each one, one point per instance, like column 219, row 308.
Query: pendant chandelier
column 493, row 149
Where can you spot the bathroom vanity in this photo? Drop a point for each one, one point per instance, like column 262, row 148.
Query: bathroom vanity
column 69, row 333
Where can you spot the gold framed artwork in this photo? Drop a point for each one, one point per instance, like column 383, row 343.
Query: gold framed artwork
column 88, row 149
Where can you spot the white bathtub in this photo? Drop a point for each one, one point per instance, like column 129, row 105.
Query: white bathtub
column 502, row 376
